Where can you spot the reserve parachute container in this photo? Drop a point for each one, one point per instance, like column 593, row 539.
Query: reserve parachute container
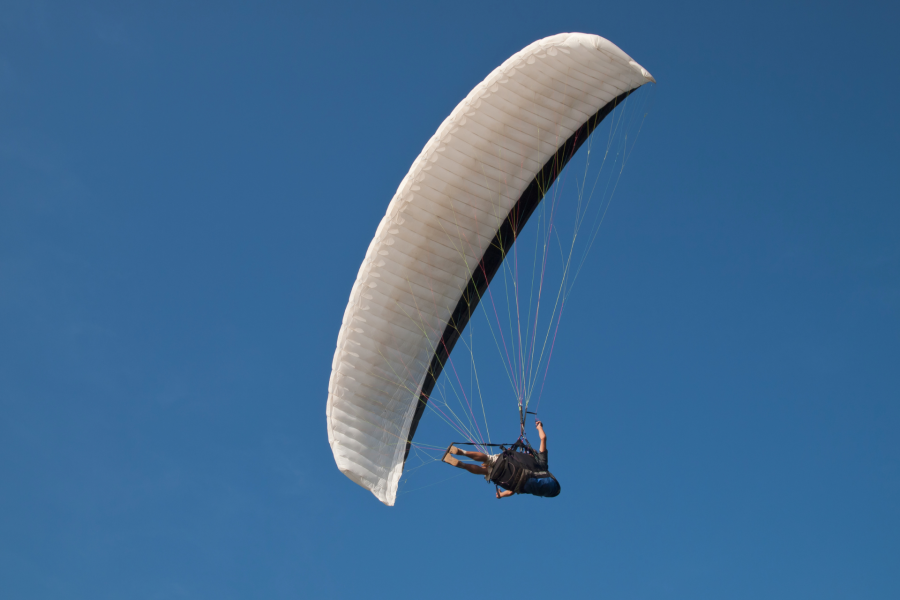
column 445, row 234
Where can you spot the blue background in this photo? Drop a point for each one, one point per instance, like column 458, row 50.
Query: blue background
column 187, row 190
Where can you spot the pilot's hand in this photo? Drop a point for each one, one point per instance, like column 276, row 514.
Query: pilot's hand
column 538, row 424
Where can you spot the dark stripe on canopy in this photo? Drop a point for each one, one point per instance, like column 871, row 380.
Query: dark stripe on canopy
column 496, row 252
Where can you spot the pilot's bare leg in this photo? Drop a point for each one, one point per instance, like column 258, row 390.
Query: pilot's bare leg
column 476, row 456
column 475, row 469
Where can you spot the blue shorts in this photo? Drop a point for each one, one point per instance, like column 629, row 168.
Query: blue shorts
column 546, row 487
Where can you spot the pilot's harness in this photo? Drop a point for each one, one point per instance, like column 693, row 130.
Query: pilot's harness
column 520, row 445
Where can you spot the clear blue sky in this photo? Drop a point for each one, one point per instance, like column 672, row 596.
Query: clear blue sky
column 186, row 193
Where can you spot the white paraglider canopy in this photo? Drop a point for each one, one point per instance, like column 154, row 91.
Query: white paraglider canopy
column 445, row 234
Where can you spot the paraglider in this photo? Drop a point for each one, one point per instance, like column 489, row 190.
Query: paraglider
column 524, row 472
column 447, row 231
